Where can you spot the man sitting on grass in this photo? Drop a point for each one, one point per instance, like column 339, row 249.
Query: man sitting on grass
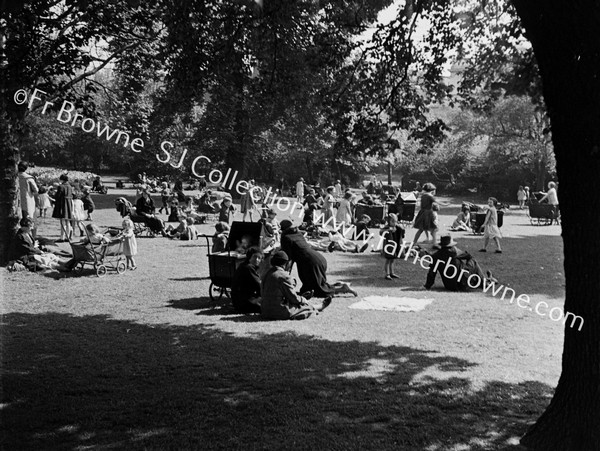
column 459, row 270
column 279, row 300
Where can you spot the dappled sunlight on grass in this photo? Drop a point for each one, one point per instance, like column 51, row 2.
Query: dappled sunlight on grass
column 145, row 360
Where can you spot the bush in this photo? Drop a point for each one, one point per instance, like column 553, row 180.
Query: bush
column 48, row 176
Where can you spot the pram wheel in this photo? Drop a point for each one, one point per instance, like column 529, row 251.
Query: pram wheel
column 213, row 288
column 101, row 271
column 150, row 234
column 121, row 267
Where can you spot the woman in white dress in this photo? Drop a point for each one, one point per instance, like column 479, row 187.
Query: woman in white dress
column 344, row 212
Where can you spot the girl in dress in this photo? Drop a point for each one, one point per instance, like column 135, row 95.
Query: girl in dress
column 392, row 235
column 491, row 226
column 425, row 220
column 521, row 197
column 165, row 197
column 328, row 203
column 63, row 207
column 129, row 243
column 44, row 200
column 79, row 213
column 248, row 205
column 344, row 212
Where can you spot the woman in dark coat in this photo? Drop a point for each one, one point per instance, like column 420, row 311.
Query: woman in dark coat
column 245, row 285
column 63, row 207
column 145, row 207
column 425, row 220
column 312, row 266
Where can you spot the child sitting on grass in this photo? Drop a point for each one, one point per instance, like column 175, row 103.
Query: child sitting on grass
column 463, row 219
column 190, row 232
column 175, row 232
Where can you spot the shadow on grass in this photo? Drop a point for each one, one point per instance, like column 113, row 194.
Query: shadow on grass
column 91, row 382
column 189, row 279
column 205, row 306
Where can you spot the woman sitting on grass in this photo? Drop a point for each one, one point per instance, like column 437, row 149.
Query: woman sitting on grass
column 279, row 298
column 26, row 251
column 245, row 285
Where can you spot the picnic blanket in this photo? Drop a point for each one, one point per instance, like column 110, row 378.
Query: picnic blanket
column 392, row 304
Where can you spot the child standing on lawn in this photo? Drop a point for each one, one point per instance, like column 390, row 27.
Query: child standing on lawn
column 88, row 203
column 521, row 197
column 491, row 226
column 392, row 235
column 165, row 197
column 79, row 214
column 226, row 211
column 129, row 243
column 44, row 201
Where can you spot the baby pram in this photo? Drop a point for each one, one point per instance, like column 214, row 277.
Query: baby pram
column 375, row 212
column 222, row 265
column 404, row 208
column 542, row 214
column 101, row 257
column 125, row 208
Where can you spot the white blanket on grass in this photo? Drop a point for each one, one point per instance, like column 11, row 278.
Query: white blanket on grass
column 391, row 304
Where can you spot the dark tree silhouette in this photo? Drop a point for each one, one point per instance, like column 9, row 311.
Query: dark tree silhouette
column 566, row 42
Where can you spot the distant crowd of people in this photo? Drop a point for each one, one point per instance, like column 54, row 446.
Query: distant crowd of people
column 273, row 295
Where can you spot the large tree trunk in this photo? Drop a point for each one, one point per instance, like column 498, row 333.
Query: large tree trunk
column 9, row 215
column 566, row 40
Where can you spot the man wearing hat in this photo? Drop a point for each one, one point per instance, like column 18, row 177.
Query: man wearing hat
column 279, row 300
column 455, row 267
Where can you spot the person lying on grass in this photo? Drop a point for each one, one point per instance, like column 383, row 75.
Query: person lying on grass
column 279, row 300
column 335, row 241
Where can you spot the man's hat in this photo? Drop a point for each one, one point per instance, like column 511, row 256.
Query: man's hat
column 447, row 241
column 285, row 224
column 270, row 211
column 279, row 258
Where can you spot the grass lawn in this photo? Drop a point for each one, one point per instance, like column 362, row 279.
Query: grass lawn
column 143, row 361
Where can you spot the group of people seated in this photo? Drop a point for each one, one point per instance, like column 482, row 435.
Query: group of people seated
column 274, row 295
